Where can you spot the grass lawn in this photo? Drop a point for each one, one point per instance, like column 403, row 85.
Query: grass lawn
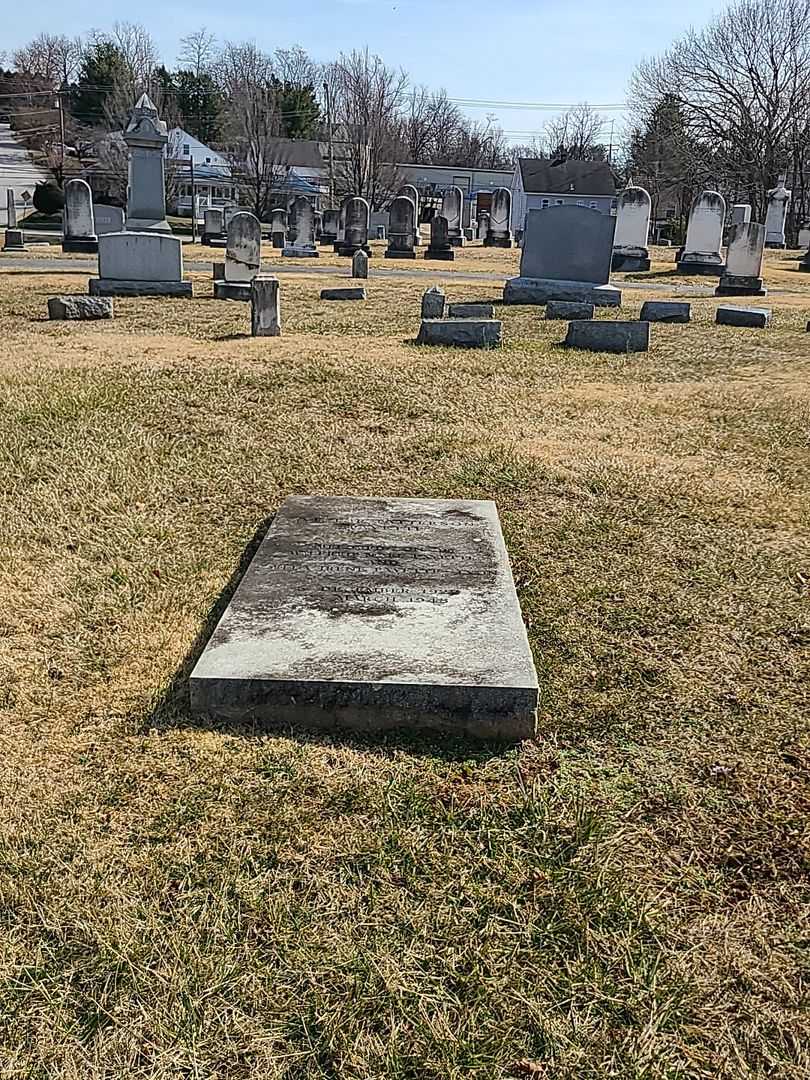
column 626, row 896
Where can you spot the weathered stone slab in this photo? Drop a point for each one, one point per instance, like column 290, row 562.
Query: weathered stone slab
column 568, row 309
column 743, row 316
column 122, row 287
column 433, row 301
column 468, row 333
column 568, row 243
column 343, row 294
column 498, row 232
column 374, row 614
column 243, row 254
column 265, row 306
column 145, row 256
column 79, row 224
column 471, row 311
column 360, row 265
column 232, row 290
column 522, row 290
column 13, row 240
column 670, row 311
column 108, row 218
column 607, row 335
column 80, row 307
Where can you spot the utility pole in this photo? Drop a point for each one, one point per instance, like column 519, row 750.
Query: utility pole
column 610, row 149
column 61, row 107
column 193, row 204
column 331, row 147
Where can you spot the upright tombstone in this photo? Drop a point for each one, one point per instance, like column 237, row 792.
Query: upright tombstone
column 265, row 306
column 214, row 234
column 360, row 264
column 410, row 192
column 14, row 240
column 11, row 209
column 632, row 230
column 243, row 257
column 567, row 252
column 341, row 233
column 742, row 275
column 483, row 225
column 355, row 236
column 139, row 264
column 146, row 137
column 499, row 233
column 374, row 613
column 329, row 226
column 778, row 203
column 318, row 232
column 79, row 227
column 740, row 214
column 453, row 210
column 302, row 243
column 278, row 227
column 401, row 229
column 439, row 246
column 433, row 302
column 702, row 252
column 107, row 218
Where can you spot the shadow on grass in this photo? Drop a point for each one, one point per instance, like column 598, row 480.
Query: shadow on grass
column 173, row 712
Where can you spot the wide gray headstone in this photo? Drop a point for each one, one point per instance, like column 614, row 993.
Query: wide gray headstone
column 568, row 243
column 471, row 311
column 213, row 222
column 79, row 226
column 14, row 240
column 265, row 307
column 743, row 269
column 301, row 229
column 607, row 335
column 108, row 218
column 374, row 614
column 401, row 229
column 243, row 252
column 355, row 234
column 343, row 294
column 139, row 264
column 568, row 309
column 467, row 333
column 668, row 311
column 743, row 316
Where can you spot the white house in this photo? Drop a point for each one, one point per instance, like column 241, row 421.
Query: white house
column 538, row 183
column 213, row 180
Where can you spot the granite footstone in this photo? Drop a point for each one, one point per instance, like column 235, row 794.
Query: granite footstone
column 607, row 335
column 743, row 316
column 668, row 311
column 374, row 614
column 343, row 294
column 433, row 303
column 233, row 290
column 265, row 306
column 466, row 333
column 14, row 240
column 568, row 309
column 471, row 311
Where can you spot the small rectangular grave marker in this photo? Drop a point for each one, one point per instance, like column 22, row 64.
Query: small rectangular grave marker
column 374, row 614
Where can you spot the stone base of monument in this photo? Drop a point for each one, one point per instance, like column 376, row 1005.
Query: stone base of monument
column 568, row 309
column 278, row 240
column 292, row 252
column 540, row 290
column 742, row 316
column 804, row 262
column 457, row 241
column 444, row 254
column 737, row 285
column 607, row 335
column 629, row 262
column 72, row 308
column 498, row 241
column 389, row 254
column 374, row 614
column 147, row 225
column 13, row 240
column 705, row 265
column 466, row 333
column 775, row 244
column 327, row 239
column 350, row 250
column 214, row 240
column 80, row 243
column 124, row 287
column 668, row 311
column 470, row 311
column 231, row 290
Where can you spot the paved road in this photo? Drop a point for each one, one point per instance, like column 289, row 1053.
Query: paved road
column 17, row 170
column 89, row 266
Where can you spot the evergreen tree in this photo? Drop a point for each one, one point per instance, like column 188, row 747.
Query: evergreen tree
column 298, row 109
column 103, row 74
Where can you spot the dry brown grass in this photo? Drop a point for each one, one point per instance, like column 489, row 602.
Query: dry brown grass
column 625, row 896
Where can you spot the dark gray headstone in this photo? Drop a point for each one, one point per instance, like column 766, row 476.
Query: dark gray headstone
column 468, row 333
column 606, row 335
column 343, row 294
column 471, row 311
column 671, row 311
column 568, row 243
column 433, row 301
column 373, row 614
column 568, row 309
column 743, row 316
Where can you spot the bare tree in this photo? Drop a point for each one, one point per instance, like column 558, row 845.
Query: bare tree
column 140, row 53
column 576, row 135
column 295, row 67
column 198, row 51
column 54, row 57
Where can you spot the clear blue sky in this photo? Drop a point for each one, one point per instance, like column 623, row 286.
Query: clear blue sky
column 494, row 50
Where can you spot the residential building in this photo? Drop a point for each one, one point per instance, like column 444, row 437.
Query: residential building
column 538, row 183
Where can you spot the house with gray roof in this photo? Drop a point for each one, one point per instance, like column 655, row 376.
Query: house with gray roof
column 538, row 183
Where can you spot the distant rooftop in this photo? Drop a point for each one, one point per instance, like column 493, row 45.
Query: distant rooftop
column 541, row 176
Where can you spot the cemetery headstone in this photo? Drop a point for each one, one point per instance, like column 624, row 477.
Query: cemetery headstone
column 381, row 232
column 360, row 265
column 704, row 235
column 608, row 335
column 146, row 137
column 329, row 226
column 499, row 233
column 79, row 226
column 632, row 230
column 214, row 234
column 439, row 246
column 14, row 240
column 69, row 308
column 463, row 333
column 483, row 225
column 343, row 294
column 410, row 192
column 778, row 203
column 265, row 306
column 566, row 255
column 669, row 311
column 278, row 227
column 372, row 614
column 740, row 214
column 11, row 209
column 401, row 229
column 471, row 311
column 108, row 218
column 243, row 257
column 355, row 235
column 757, row 318
column 341, row 234
column 139, row 264
column 742, row 274
column 302, row 245
column 433, row 301
column 453, row 210
column 568, row 309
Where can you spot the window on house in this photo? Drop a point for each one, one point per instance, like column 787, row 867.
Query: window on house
column 560, row 202
column 593, row 205
column 186, row 149
column 580, row 202
column 208, row 161
column 544, row 204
